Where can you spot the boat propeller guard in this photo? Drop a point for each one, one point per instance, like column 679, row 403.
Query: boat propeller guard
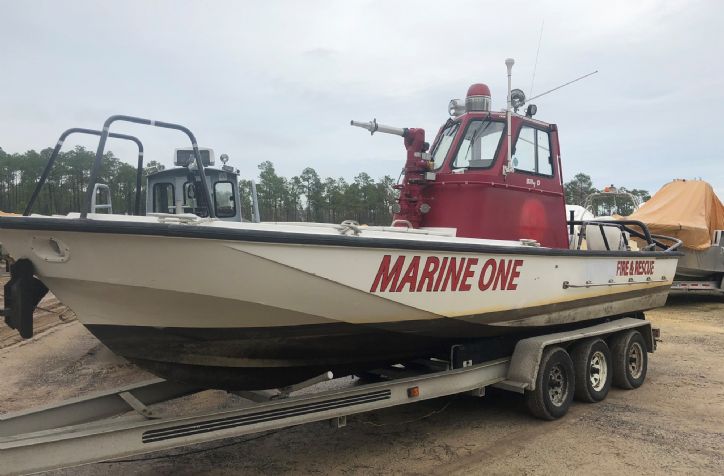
column 22, row 294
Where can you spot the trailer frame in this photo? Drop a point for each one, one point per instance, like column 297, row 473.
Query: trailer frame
column 87, row 429
column 706, row 286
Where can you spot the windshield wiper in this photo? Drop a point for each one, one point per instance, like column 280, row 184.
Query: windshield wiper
column 475, row 136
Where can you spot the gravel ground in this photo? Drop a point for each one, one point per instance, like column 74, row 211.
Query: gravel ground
column 673, row 424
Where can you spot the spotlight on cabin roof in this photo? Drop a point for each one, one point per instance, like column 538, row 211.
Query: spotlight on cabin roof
column 185, row 156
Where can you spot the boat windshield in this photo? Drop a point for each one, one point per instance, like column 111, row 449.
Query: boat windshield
column 478, row 146
column 442, row 146
column 609, row 204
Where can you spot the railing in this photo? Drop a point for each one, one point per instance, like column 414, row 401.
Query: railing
column 634, row 228
column 148, row 122
column 104, row 206
column 56, row 151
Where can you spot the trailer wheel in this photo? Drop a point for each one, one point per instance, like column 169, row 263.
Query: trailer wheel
column 592, row 365
column 630, row 361
column 554, row 385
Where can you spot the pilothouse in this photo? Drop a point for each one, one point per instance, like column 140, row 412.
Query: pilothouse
column 480, row 181
column 178, row 190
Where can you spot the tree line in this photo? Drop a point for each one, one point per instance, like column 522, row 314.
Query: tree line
column 304, row 197
column 309, row 197
column 65, row 187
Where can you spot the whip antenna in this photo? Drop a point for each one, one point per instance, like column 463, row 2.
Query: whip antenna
column 563, row 85
column 537, row 52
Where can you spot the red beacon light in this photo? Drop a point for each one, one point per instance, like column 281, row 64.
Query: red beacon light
column 476, row 100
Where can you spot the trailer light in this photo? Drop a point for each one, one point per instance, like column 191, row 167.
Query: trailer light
column 413, row 392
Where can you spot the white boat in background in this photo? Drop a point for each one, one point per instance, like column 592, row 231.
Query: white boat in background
column 612, row 203
column 606, row 205
column 479, row 249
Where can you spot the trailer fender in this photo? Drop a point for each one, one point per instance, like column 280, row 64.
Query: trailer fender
column 527, row 355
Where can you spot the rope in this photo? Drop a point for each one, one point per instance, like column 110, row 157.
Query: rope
column 42, row 308
column 414, row 420
column 349, row 225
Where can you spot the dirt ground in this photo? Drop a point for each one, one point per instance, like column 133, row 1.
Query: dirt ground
column 673, row 424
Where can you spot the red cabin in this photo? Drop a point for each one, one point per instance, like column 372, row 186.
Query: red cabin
column 463, row 181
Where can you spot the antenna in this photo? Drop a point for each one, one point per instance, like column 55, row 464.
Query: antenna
column 509, row 65
column 537, row 52
column 562, row 85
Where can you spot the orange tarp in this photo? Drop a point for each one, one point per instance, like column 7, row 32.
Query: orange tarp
column 686, row 209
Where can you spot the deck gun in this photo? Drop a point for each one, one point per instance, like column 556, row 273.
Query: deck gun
column 373, row 126
column 416, row 175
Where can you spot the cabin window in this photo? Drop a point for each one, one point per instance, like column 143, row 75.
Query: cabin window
column 224, row 201
column 163, row 198
column 479, row 145
column 194, row 199
column 442, row 146
column 189, row 197
column 532, row 152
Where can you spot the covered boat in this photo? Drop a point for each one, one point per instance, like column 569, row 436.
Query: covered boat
column 690, row 211
column 479, row 251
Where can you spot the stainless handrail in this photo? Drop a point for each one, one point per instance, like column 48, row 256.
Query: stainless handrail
column 148, row 122
column 652, row 241
column 56, row 152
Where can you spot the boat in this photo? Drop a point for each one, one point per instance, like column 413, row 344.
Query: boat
column 479, row 251
column 690, row 211
column 612, row 202
column 609, row 204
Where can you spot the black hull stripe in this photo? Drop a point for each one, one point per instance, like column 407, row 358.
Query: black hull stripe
column 264, row 236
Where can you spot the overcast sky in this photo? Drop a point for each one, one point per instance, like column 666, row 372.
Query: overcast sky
column 280, row 80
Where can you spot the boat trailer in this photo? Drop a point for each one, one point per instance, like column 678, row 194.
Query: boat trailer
column 698, row 287
column 120, row 423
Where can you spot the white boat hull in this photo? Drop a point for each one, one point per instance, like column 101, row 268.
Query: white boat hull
column 253, row 309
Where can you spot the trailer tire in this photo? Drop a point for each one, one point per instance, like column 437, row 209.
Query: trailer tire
column 593, row 370
column 554, row 386
column 630, row 361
